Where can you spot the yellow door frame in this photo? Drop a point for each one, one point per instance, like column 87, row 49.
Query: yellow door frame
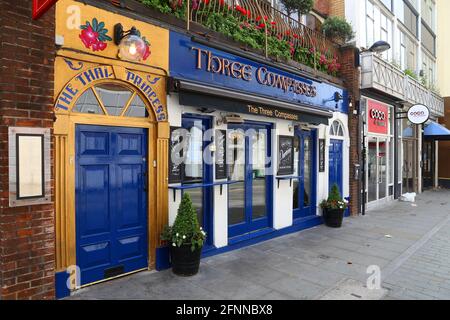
column 64, row 132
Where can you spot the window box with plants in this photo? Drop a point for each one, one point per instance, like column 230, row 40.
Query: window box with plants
column 333, row 208
column 250, row 29
column 186, row 239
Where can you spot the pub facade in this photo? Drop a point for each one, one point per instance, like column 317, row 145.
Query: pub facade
column 91, row 176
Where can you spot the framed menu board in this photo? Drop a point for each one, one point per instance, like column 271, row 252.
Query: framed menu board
column 176, row 166
column 221, row 154
column 285, row 155
column 321, row 155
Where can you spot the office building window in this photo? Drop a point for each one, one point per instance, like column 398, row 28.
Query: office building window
column 410, row 18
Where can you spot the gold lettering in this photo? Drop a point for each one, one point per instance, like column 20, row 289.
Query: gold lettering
column 226, row 67
column 199, row 56
column 247, row 73
column 219, row 64
column 259, row 75
column 236, row 70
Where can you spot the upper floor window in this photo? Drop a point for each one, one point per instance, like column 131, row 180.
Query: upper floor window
column 410, row 18
column 387, row 4
column 428, row 13
column 428, row 39
column 378, row 27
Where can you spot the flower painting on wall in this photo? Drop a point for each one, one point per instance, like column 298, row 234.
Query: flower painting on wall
column 94, row 35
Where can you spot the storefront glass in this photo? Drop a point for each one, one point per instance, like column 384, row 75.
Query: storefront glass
column 379, row 151
column 248, row 198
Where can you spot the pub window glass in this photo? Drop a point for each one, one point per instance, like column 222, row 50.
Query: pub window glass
column 236, row 191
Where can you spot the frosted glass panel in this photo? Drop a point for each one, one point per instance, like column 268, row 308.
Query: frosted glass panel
column 30, row 166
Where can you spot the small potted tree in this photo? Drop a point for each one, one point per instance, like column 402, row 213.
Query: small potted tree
column 186, row 239
column 337, row 29
column 333, row 208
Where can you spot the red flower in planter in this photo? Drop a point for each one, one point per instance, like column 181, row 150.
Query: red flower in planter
column 323, row 59
column 261, row 26
column 221, row 3
column 206, row 2
column 258, row 18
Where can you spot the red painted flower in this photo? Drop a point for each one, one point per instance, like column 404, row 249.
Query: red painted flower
column 94, row 35
column 88, row 36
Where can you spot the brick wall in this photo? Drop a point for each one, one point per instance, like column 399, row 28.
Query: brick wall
column 322, row 7
column 337, row 8
column 27, row 238
column 350, row 75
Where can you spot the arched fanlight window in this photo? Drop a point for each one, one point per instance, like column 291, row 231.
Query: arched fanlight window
column 111, row 99
column 336, row 129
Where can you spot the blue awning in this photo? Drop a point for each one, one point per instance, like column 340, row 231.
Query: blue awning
column 435, row 131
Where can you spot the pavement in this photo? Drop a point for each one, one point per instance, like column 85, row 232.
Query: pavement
column 398, row 252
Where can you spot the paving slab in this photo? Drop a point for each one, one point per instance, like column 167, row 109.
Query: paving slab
column 409, row 244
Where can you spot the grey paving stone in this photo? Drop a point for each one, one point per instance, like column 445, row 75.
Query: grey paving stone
column 312, row 263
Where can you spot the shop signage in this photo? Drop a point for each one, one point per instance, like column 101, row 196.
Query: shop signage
column 321, row 155
column 418, row 114
column 285, row 155
column 191, row 61
column 272, row 113
column 221, row 154
column 175, row 165
column 87, row 78
column 377, row 117
column 207, row 61
column 41, row 6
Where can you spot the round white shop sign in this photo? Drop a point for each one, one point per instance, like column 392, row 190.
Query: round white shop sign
column 418, row 114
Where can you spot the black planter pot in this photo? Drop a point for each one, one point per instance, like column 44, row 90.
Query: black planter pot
column 333, row 217
column 185, row 262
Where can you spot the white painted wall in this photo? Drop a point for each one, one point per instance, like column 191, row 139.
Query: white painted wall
column 282, row 197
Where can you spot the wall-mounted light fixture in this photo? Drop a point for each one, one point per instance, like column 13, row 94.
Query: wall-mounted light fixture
column 131, row 45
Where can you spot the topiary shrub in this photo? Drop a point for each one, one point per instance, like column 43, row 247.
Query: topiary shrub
column 300, row 6
column 186, row 229
column 338, row 29
column 334, row 201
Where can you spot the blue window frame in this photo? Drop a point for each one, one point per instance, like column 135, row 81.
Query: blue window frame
column 250, row 199
column 304, row 203
column 198, row 172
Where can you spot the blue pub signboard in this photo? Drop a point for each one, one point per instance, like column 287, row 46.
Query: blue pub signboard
column 195, row 62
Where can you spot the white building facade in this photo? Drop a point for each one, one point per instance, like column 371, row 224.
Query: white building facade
column 398, row 157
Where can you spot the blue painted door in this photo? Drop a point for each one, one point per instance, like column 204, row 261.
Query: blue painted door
column 305, row 187
column 111, row 201
column 335, row 164
column 250, row 199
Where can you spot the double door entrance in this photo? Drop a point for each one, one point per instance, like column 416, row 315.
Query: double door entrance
column 249, row 160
